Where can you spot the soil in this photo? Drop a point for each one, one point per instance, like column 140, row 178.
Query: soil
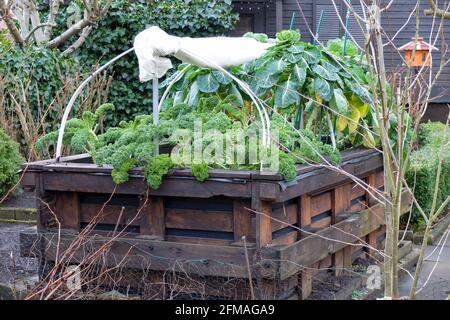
column 328, row 287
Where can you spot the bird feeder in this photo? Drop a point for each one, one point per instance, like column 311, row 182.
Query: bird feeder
column 422, row 52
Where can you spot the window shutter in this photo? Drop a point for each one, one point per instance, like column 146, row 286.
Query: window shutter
column 354, row 27
column 330, row 27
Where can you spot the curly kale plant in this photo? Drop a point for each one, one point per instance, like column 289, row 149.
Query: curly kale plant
column 79, row 134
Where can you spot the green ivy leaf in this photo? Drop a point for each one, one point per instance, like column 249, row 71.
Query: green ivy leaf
column 207, row 83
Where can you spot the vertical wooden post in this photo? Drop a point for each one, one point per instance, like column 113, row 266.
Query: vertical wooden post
column 306, row 281
column 152, row 224
column 304, row 213
column 371, row 237
column 67, row 208
column 242, row 222
column 263, row 222
column 305, row 277
column 340, row 201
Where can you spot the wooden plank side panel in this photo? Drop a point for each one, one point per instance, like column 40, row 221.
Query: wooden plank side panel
column 284, row 216
column 67, row 209
column 181, row 187
column 199, row 220
column 320, row 203
column 304, row 214
column 214, row 260
column 243, row 221
column 108, row 214
column 152, row 222
column 316, row 247
column 264, row 224
column 340, row 203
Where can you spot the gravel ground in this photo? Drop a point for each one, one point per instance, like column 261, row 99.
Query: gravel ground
column 12, row 266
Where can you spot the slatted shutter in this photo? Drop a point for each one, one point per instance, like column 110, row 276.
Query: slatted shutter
column 330, row 27
column 354, row 27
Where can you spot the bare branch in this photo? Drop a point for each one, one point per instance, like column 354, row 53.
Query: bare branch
column 77, row 27
column 434, row 10
column 5, row 12
column 51, row 21
column 74, row 46
column 27, row 37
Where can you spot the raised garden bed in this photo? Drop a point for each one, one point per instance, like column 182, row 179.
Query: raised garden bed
column 202, row 224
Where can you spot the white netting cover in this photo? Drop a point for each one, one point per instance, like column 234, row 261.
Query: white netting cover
column 153, row 45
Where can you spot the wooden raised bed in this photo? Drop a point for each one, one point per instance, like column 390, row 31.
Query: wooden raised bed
column 202, row 224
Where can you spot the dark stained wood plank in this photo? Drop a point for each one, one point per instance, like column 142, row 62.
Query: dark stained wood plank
column 263, row 224
column 316, row 247
column 320, row 203
column 305, row 213
column 200, row 240
column 322, row 223
column 322, row 178
column 177, row 187
column 109, row 214
column 67, row 210
column 306, row 280
column 286, row 214
column 242, row 221
column 206, row 260
column 340, row 203
column 286, row 239
column 199, row 220
column 152, row 217
column 357, row 191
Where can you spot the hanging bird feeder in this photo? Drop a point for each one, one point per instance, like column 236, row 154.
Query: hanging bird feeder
column 418, row 52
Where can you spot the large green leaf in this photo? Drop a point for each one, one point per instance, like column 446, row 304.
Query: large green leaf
column 276, row 66
column 339, row 102
column 286, row 94
column 267, row 80
column 324, row 73
column 207, row 83
column 234, row 91
column 312, row 55
column 293, row 58
column 193, row 96
column 221, row 77
column 360, row 91
column 299, row 72
column 299, row 48
column 323, row 88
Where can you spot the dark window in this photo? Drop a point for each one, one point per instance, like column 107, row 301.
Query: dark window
column 252, row 17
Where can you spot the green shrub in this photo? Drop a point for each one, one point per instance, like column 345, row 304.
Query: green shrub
column 431, row 133
column 33, row 76
column 115, row 32
column 422, row 171
column 9, row 163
